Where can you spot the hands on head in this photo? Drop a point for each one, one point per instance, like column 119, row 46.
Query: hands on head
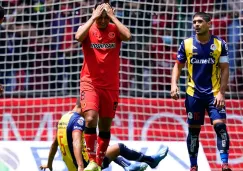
column 103, row 8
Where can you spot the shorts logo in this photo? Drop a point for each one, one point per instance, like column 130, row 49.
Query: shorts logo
column 83, row 105
column 222, row 110
column 196, row 116
column 111, row 35
column 115, row 106
column 190, row 115
column 82, row 96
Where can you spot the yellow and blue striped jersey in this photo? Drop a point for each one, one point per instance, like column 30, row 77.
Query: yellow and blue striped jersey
column 70, row 122
column 203, row 65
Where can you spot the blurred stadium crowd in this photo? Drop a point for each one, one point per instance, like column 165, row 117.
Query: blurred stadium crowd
column 40, row 57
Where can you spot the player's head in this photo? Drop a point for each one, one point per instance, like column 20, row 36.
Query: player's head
column 201, row 23
column 103, row 21
column 77, row 107
column 1, row 14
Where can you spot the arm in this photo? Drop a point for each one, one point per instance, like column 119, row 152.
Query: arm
column 84, row 29
column 219, row 101
column 224, row 77
column 51, row 156
column 125, row 34
column 77, row 148
column 176, row 72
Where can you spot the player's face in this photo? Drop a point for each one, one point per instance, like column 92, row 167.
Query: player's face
column 200, row 26
column 103, row 21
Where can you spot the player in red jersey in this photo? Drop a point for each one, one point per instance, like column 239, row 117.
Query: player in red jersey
column 99, row 85
column 1, row 20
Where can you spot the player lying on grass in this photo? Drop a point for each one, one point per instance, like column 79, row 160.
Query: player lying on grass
column 71, row 143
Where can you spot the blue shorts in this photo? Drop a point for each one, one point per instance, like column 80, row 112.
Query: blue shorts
column 195, row 109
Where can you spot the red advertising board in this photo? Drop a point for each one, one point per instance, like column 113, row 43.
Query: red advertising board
column 136, row 119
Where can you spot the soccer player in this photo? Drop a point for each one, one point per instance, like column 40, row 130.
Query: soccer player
column 99, row 82
column 71, row 142
column 208, row 72
column 1, row 20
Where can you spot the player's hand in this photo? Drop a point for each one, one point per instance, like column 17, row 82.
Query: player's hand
column 98, row 11
column 109, row 10
column 174, row 92
column 1, row 89
column 44, row 167
column 219, row 100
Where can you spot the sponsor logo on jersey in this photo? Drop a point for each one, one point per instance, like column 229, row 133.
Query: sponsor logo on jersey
column 194, row 47
column 77, row 127
column 103, row 45
column 202, row 61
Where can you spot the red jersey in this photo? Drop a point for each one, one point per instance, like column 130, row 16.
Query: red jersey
column 101, row 50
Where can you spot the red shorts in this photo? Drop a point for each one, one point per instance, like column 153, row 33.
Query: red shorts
column 103, row 101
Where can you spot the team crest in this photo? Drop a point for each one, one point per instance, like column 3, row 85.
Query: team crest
column 111, row 35
column 80, row 122
column 213, row 47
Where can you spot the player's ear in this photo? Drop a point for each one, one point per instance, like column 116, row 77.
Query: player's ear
column 209, row 24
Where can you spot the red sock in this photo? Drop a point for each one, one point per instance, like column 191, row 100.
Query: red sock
column 91, row 141
column 101, row 149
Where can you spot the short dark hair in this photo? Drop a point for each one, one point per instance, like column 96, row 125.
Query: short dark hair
column 78, row 103
column 1, row 12
column 206, row 16
column 101, row 2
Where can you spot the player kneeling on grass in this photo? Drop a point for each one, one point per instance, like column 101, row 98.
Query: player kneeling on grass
column 71, row 143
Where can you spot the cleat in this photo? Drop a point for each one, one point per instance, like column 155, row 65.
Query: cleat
column 92, row 166
column 158, row 157
column 194, row 168
column 225, row 167
column 136, row 167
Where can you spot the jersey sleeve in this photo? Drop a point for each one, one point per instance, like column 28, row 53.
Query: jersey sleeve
column 224, row 57
column 181, row 55
column 79, row 124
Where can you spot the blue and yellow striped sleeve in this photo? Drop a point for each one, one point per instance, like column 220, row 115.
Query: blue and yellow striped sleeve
column 181, row 55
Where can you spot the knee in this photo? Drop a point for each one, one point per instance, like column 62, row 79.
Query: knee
column 220, row 128
column 91, row 118
column 194, row 130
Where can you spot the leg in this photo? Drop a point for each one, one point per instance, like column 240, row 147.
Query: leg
column 90, row 106
column 193, row 144
column 103, row 139
column 218, row 119
column 108, row 104
column 195, row 113
column 133, row 155
column 112, row 154
column 222, row 140
column 90, row 135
